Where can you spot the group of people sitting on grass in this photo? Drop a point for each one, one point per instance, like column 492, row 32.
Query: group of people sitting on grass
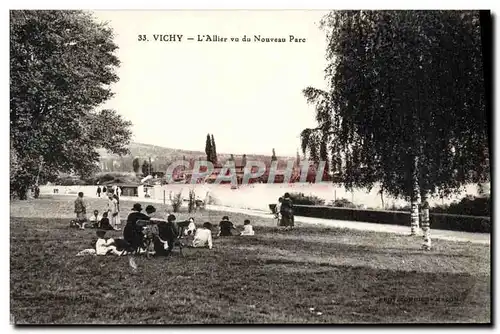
column 142, row 228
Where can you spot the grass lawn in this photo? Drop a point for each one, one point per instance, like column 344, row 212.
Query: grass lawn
column 273, row 277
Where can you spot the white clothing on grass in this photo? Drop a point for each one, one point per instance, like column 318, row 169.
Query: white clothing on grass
column 103, row 247
column 94, row 219
column 247, row 230
column 191, row 227
column 202, row 238
column 88, row 251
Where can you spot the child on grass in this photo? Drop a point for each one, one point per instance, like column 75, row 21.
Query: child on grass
column 104, row 224
column 95, row 219
column 102, row 246
column 247, row 228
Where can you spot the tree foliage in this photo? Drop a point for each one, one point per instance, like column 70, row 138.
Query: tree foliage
column 403, row 86
column 208, row 148
column 136, row 165
column 214, row 151
column 62, row 64
column 145, row 168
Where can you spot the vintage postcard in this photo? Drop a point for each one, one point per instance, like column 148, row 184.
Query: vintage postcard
column 179, row 167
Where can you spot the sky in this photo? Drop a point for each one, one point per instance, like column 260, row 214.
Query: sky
column 248, row 95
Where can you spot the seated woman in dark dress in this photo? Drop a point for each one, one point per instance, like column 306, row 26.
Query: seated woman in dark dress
column 167, row 234
column 133, row 232
column 104, row 224
column 226, row 227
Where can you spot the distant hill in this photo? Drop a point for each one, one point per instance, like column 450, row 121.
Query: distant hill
column 144, row 151
column 164, row 155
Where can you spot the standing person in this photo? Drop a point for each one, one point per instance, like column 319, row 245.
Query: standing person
column 132, row 232
column 37, row 191
column 278, row 210
column 226, row 227
column 118, row 192
column 81, row 211
column 286, row 211
column 117, row 201
column 98, row 191
column 113, row 211
column 104, row 189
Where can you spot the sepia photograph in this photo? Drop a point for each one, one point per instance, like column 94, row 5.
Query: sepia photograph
column 250, row 167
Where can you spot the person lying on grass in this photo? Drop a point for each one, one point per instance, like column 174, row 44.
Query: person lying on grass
column 102, row 246
column 226, row 227
column 247, row 228
column 203, row 236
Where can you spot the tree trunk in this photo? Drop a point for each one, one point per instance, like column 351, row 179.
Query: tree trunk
column 382, row 198
column 426, row 222
column 415, row 199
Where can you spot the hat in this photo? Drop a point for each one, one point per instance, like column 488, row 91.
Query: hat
column 137, row 207
column 225, row 218
column 171, row 218
column 150, row 209
column 100, row 233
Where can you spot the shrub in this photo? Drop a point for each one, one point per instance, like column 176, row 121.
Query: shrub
column 343, row 203
column 70, row 181
column 212, row 200
column 192, row 198
column 114, row 177
column 176, row 201
column 437, row 221
column 301, row 199
column 469, row 205
column 394, row 207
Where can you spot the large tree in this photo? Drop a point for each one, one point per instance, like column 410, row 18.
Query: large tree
column 145, row 168
column 214, row 151
column 405, row 104
column 136, row 164
column 208, row 148
column 273, row 157
column 62, row 64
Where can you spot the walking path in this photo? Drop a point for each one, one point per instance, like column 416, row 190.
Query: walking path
column 481, row 238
